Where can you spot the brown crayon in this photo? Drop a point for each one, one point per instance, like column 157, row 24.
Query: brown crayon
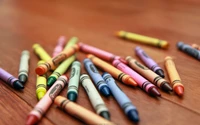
column 55, row 61
column 116, row 73
column 174, row 76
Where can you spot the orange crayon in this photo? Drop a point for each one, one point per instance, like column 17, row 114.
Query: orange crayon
column 174, row 76
column 55, row 61
column 116, row 73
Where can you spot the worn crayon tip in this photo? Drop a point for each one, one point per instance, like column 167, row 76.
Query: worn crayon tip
column 179, row 90
column 105, row 114
column 153, row 91
column 166, row 87
column 133, row 115
column 40, row 95
column 31, row 120
column 23, row 78
column 160, row 72
column 51, row 81
column 180, row 45
column 40, row 70
column 72, row 96
column 132, row 82
column 123, row 60
column 105, row 91
column 18, row 85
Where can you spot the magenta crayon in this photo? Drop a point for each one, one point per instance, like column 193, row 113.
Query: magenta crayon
column 43, row 105
column 150, row 63
column 106, row 56
column 142, row 82
column 10, row 79
column 59, row 46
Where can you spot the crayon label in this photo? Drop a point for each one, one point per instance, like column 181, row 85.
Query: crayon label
column 59, row 58
column 93, row 68
column 192, row 52
column 145, row 55
column 72, row 72
column 55, row 91
column 141, row 66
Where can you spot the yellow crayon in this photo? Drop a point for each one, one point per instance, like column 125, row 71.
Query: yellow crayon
column 143, row 39
column 71, row 42
column 41, row 83
column 39, row 51
column 174, row 76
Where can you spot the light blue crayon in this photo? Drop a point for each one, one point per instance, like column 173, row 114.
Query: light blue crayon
column 96, row 77
column 124, row 102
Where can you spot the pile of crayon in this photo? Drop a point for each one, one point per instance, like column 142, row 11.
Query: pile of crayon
column 126, row 70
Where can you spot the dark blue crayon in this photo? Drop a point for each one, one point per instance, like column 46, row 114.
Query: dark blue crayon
column 189, row 50
column 96, row 77
column 124, row 102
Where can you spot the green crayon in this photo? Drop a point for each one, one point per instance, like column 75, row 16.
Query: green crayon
column 71, row 42
column 60, row 70
column 72, row 90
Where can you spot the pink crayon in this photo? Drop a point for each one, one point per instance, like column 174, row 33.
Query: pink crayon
column 106, row 56
column 142, row 82
column 59, row 46
column 43, row 105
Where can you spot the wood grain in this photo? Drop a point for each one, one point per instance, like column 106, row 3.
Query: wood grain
column 24, row 23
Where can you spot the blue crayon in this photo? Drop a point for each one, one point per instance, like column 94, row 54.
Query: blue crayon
column 189, row 50
column 124, row 102
column 96, row 77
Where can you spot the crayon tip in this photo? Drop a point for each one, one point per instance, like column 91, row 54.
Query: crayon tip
column 23, row 78
column 105, row 114
column 153, row 91
column 18, row 85
column 123, row 61
column 105, row 91
column 51, row 81
column 133, row 115
column 179, row 90
column 40, row 95
column 40, row 70
column 31, row 120
column 72, row 96
column 117, row 33
column 160, row 72
column 166, row 87
column 130, row 81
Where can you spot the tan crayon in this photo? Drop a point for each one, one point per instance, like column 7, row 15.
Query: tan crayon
column 195, row 46
column 174, row 76
column 80, row 112
column 55, row 61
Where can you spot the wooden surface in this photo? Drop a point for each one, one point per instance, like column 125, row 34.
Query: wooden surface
column 23, row 23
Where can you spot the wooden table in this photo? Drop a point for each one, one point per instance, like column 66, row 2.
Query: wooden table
column 23, row 23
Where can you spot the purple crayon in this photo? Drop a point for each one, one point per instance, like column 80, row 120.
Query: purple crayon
column 10, row 79
column 149, row 62
column 59, row 46
column 142, row 82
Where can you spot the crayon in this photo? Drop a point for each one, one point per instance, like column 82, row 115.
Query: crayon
column 174, row 76
column 96, row 100
column 71, row 42
column 143, row 39
column 116, row 73
column 72, row 90
column 41, row 84
column 10, row 79
column 195, row 46
column 148, row 74
column 150, row 63
column 142, row 82
column 189, row 50
column 40, row 52
column 80, row 112
column 122, row 99
column 24, row 66
column 43, row 105
column 96, row 77
column 59, row 46
column 106, row 56
column 55, row 61
column 60, row 70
